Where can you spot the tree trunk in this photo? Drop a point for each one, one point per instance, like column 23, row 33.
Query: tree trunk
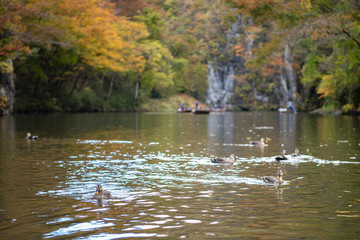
column 71, row 92
column 137, row 88
column 7, row 87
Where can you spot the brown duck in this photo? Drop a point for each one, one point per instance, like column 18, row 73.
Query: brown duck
column 232, row 159
column 281, row 156
column 260, row 143
column 271, row 179
column 31, row 137
column 102, row 194
column 296, row 153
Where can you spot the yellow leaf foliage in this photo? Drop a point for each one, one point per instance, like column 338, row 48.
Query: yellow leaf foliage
column 306, row 4
column 327, row 86
column 102, row 39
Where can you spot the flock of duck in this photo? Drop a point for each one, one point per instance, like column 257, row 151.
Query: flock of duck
column 267, row 179
column 104, row 194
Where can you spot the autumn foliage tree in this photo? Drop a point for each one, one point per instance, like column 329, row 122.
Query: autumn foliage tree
column 102, row 39
column 73, row 54
column 10, row 48
column 89, row 30
column 129, row 8
column 324, row 39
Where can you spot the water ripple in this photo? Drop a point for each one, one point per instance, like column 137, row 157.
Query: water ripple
column 109, row 236
column 78, row 227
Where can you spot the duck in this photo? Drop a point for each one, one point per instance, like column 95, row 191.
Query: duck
column 281, row 156
column 101, row 194
column 271, row 179
column 31, row 137
column 260, row 143
column 232, row 159
column 296, row 153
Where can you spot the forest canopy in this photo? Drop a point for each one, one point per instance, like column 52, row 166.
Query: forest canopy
column 97, row 55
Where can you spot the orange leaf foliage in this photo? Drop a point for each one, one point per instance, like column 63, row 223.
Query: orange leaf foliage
column 267, row 71
column 129, row 8
column 10, row 27
column 102, row 39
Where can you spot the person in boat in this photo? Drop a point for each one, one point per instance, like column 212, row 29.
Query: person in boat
column 291, row 107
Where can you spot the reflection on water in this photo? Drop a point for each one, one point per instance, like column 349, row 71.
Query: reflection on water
column 158, row 168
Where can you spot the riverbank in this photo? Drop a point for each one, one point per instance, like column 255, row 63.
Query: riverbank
column 170, row 104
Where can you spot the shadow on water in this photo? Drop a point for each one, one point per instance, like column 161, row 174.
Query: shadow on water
column 158, row 168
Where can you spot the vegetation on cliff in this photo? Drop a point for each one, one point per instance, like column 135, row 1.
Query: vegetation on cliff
column 323, row 37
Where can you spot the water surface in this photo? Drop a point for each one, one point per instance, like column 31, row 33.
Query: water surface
column 157, row 166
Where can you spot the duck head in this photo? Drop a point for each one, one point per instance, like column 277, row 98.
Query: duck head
column 99, row 189
column 233, row 157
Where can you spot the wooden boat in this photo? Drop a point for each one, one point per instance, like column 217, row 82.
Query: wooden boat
column 288, row 111
column 244, row 108
column 201, row 111
column 285, row 110
column 184, row 110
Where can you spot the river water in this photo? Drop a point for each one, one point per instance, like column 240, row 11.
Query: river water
column 157, row 166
